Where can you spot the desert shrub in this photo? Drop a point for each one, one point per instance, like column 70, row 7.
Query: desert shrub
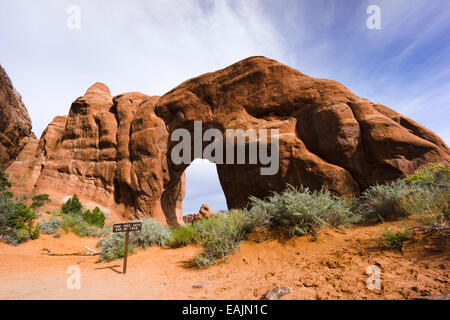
column 86, row 224
column 395, row 239
column 152, row 233
column 182, row 236
column 298, row 212
column 75, row 223
column 431, row 207
column 18, row 221
column 73, row 205
column 220, row 236
column 95, row 217
column 40, row 200
column 430, row 200
column 21, row 216
column 382, row 201
column 4, row 183
column 425, row 194
column 113, row 247
column 51, row 226
column 433, row 175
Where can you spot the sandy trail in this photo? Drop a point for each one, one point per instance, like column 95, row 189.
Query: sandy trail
column 334, row 267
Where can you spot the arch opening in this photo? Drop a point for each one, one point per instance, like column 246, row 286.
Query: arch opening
column 202, row 186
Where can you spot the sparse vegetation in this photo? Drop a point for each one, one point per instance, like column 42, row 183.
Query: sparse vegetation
column 182, row 236
column 425, row 193
column 40, row 200
column 394, row 239
column 435, row 175
column 72, row 206
column 383, row 201
column 86, row 224
column 95, row 217
column 294, row 212
column 219, row 236
column 431, row 199
column 51, row 226
column 16, row 218
column 113, row 247
column 152, row 233
column 299, row 212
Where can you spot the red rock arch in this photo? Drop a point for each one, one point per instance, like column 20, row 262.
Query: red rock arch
column 115, row 151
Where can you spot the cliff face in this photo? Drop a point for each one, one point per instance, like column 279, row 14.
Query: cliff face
column 15, row 123
column 116, row 151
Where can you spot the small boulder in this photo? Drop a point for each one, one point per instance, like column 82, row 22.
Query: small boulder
column 276, row 293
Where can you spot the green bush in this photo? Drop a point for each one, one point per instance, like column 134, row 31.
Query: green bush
column 95, row 217
column 75, row 223
column 182, row 236
column 21, row 219
column 220, row 236
column 113, row 247
column 4, row 183
column 431, row 207
column 383, row 201
column 16, row 219
column 21, row 216
column 51, row 226
column 73, row 205
column 425, row 194
column 431, row 175
column 394, row 240
column 430, row 199
column 86, row 224
column 40, row 200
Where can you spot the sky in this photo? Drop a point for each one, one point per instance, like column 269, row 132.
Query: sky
column 152, row 46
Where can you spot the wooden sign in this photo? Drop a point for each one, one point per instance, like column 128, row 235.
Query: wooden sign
column 127, row 227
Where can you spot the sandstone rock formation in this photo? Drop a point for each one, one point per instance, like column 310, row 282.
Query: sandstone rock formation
column 15, row 123
column 204, row 212
column 116, row 151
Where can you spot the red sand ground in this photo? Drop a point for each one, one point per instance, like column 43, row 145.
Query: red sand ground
column 332, row 268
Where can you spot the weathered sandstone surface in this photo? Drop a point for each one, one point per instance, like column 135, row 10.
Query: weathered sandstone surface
column 15, row 123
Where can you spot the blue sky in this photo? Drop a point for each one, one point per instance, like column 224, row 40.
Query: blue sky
column 152, row 46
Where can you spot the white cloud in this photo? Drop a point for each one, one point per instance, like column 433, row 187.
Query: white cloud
column 146, row 46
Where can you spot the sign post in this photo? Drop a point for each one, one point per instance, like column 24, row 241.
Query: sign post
column 127, row 227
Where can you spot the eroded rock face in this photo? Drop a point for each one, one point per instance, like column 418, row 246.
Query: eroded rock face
column 15, row 123
column 328, row 136
column 117, row 151
column 203, row 213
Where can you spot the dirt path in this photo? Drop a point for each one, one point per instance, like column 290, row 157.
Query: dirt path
column 332, row 268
